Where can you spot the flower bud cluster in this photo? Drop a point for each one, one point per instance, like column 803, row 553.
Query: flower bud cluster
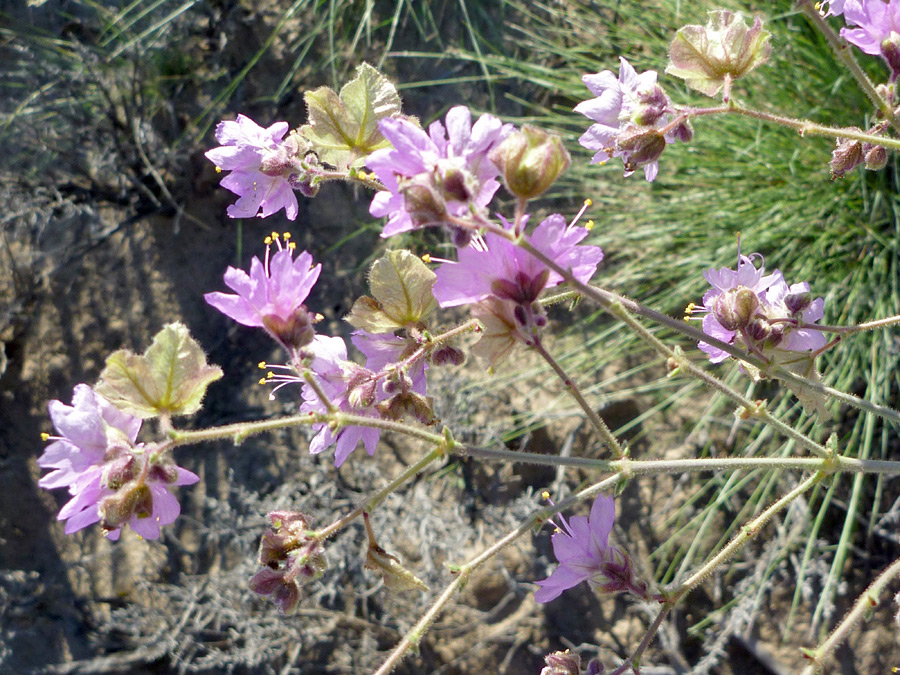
column 290, row 555
column 850, row 153
column 758, row 311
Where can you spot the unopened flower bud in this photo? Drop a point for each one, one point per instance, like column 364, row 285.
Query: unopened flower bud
column 734, row 308
column 408, row 404
column 424, row 205
column 362, row 395
column 131, row 500
column 887, row 91
column 119, row 471
column 289, row 532
column 454, row 185
column 890, row 50
column 530, row 161
column 275, row 164
column 562, row 663
column 683, row 132
column 284, row 591
column 295, row 332
column 847, row 155
column 653, row 104
column 642, row 146
column 758, row 329
column 797, row 302
column 875, row 157
column 304, row 183
column 398, row 381
column 163, row 472
column 308, row 563
column 448, row 356
column 461, row 236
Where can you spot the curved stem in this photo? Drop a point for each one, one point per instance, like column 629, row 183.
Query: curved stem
column 596, row 421
column 863, row 605
column 374, row 500
column 747, row 533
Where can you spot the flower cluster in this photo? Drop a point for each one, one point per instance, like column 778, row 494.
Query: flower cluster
column 271, row 297
column 632, row 119
column 434, row 177
column 265, row 167
column 759, row 311
column 582, row 548
column 112, row 480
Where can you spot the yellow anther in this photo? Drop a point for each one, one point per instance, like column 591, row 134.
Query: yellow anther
column 267, row 241
column 45, row 436
column 261, row 365
column 545, row 495
column 589, row 225
column 270, row 375
column 603, row 163
column 688, row 311
column 218, row 169
column 292, row 245
column 275, row 236
column 588, row 202
column 426, row 258
column 262, row 380
column 286, row 235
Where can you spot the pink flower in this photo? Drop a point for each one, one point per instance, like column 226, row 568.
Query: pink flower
column 111, row 480
column 582, row 548
column 628, row 111
column 428, row 176
column 508, row 272
column 272, row 295
column 870, row 22
column 759, row 311
column 261, row 165
column 331, row 366
column 87, row 428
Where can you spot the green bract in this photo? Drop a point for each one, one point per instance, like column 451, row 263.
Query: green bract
column 726, row 48
column 343, row 128
column 401, row 285
column 170, row 378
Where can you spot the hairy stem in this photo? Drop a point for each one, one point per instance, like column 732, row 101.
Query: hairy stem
column 596, row 421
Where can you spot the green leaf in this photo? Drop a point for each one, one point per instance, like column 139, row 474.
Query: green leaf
column 401, row 285
column 343, row 128
column 169, row 378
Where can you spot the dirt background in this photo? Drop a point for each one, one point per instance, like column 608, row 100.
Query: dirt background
column 113, row 226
